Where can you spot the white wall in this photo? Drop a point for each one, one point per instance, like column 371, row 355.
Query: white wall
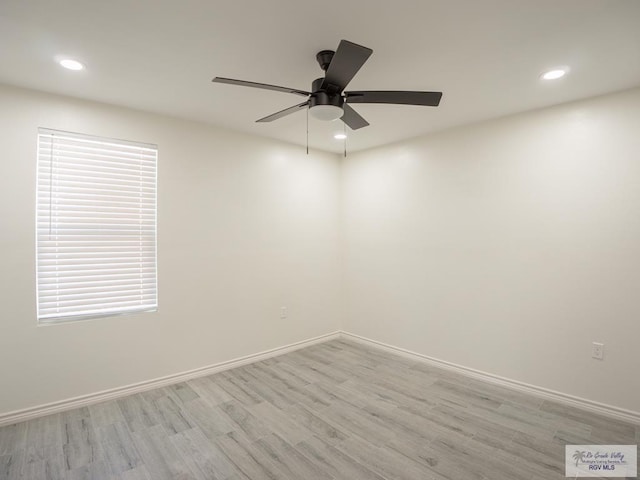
column 246, row 225
column 507, row 247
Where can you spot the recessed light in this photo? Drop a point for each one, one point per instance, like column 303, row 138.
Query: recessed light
column 70, row 64
column 555, row 73
column 339, row 136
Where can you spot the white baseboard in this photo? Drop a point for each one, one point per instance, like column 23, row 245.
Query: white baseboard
column 84, row 400
column 563, row 398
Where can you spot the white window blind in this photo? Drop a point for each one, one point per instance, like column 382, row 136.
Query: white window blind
column 96, row 226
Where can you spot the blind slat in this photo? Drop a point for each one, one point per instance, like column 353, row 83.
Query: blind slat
column 96, row 226
column 106, row 285
column 50, row 316
column 101, row 290
column 94, row 300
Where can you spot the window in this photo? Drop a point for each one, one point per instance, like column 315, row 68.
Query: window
column 96, row 227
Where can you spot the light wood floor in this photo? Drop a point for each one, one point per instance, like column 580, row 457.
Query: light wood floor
column 332, row 411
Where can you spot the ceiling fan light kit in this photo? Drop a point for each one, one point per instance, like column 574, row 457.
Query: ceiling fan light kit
column 324, row 105
column 327, row 99
column 326, row 113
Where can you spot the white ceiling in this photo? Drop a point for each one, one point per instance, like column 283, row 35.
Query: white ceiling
column 160, row 55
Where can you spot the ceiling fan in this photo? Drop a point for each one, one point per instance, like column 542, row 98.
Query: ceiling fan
column 327, row 99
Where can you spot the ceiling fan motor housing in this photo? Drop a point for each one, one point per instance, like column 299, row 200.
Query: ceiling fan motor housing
column 322, row 97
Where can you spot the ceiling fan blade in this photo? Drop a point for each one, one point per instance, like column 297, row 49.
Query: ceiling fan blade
column 345, row 64
column 352, row 118
column 283, row 113
column 264, row 86
column 429, row 99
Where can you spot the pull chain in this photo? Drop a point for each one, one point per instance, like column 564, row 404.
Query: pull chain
column 307, row 131
column 345, row 138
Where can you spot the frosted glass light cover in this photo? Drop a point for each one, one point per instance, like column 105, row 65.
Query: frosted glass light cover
column 326, row 112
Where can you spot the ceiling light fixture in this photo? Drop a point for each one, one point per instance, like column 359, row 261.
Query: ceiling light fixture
column 340, row 136
column 326, row 113
column 555, row 73
column 70, row 64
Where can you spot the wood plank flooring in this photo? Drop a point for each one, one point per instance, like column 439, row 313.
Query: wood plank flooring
column 337, row 410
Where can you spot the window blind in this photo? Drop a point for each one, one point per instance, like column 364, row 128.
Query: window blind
column 96, row 226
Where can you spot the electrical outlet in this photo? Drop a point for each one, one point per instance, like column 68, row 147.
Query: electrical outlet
column 597, row 351
column 283, row 312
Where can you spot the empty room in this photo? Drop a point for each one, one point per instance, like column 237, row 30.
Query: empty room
column 343, row 240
